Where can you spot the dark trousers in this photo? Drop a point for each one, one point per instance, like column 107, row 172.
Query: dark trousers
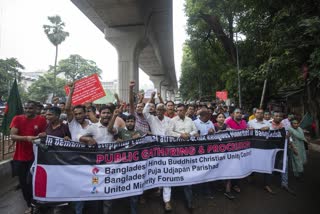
column 25, row 181
column 266, row 179
column 188, row 193
column 107, row 205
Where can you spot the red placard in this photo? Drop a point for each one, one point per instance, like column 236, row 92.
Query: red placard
column 87, row 89
column 222, row 95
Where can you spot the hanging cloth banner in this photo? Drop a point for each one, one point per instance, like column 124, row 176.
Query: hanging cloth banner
column 71, row 171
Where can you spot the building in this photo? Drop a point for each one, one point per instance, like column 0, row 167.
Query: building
column 27, row 78
column 111, row 86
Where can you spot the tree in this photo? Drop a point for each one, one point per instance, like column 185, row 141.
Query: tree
column 10, row 69
column 41, row 89
column 75, row 67
column 279, row 39
column 56, row 36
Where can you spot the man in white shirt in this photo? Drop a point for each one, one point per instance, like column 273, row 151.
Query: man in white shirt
column 183, row 127
column 77, row 123
column 76, row 117
column 159, row 125
column 259, row 122
column 98, row 133
column 203, row 124
column 264, row 125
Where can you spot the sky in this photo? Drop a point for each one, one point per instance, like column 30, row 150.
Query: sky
column 22, row 36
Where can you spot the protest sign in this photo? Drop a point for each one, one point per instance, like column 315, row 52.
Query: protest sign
column 87, row 89
column 147, row 93
column 71, row 171
column 222, row 95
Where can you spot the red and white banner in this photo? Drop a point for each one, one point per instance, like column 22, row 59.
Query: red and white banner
column 70, row 171
column 87, row 89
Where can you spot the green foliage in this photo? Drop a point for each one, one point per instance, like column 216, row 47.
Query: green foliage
column 24, row 95
column 75, row 67
column 277, row 38
column 10, row 69
column 55, row 32
column 43, row 87
column 56, row 36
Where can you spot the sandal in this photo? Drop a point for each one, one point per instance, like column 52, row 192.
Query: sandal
column 229, row 195
column 269, row 190
column 236, row 189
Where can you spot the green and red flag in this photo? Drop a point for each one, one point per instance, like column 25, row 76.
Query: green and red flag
column 13, row 107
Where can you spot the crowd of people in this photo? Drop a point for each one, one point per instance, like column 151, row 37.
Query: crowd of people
column 95, row 124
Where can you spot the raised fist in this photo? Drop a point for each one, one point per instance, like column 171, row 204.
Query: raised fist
column 132, row 84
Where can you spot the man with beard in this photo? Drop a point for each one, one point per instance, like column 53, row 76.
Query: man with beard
column 127, row 133
column 24, row 129
column 77, row 124
column 76, row 117
column 98, row 133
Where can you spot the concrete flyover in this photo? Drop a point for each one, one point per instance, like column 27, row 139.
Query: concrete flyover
column 142, row 33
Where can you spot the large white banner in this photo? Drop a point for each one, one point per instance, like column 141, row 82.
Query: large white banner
column 69, row 171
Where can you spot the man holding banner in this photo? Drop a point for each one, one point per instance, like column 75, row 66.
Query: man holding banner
column 260, row 123
column 236, row 123
column 98, row 133
column 159, row 125
column 183, row 127
column 275, row 125
column 24, row 129
column 77, row 121
column 124, row 134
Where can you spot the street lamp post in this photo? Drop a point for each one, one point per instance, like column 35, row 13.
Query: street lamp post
column 238, row 69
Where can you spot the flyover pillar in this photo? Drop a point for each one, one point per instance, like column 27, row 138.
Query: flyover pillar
column 170, row 95
column 157, row 82
column 128, row 41
column 164, row 90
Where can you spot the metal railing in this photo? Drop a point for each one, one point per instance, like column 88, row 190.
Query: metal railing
column 7, row 147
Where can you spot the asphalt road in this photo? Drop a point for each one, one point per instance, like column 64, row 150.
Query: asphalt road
column 252, row 199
